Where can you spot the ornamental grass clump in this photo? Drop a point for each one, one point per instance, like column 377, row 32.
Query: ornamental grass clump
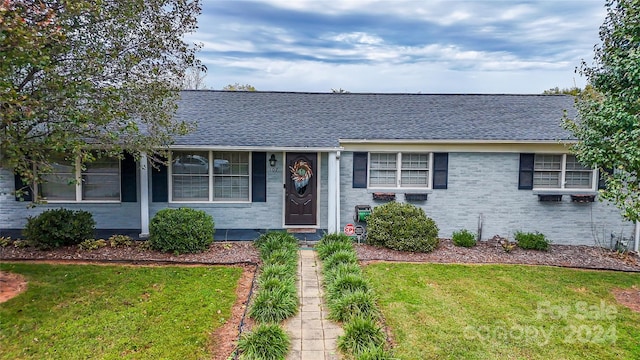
column 274, row 304
column 403, row 227
column 327, row 249
column 341, row 257
column 330, row 274
column 344, row 284
column 361, row 334
column 264, row 342
column 276, row 240
column 353, row 303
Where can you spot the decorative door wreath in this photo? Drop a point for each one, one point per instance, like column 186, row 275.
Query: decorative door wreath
column 300, row 174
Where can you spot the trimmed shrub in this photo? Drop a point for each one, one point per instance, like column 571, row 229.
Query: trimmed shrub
column 275, row 304
column 355, row 303
column 265, row 342
column 464, row 238
column 59, row 227
column 532, row 241
column 360, row 335
column 180, row 231
column 402, row 226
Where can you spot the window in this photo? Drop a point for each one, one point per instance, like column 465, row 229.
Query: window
column 407, row 170
column 99, row 181
column 561, row 172
column 194, row 179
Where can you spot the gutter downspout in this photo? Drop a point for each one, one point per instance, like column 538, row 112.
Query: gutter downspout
column 338, row 205
column 636, row 238
column 144, row 196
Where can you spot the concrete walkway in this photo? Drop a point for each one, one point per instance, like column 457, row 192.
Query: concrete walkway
column 313, row 336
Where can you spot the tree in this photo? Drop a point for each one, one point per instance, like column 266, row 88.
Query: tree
column 238, row 87
column 88, row 78
column 608, row 123
column 339, row 91
column 575, row 91
column 194, row 78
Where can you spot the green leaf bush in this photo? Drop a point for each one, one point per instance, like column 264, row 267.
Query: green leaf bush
column 464, row 238
column 326, row 249
column 360, row 335
column 181, row 230
column 265, row 342
column 59, row 227
column 532, row 241
column 341, row 257
column 353, row 303
column 403, row 227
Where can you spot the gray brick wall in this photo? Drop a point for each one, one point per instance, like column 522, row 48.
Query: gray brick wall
column 486, row 185
column 14, row 214
column 265, row 215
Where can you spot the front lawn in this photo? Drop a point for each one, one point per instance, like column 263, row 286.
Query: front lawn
column 438, row 311
column 113, row 312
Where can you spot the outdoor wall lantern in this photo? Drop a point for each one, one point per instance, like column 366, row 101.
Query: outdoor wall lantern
column 272, row 160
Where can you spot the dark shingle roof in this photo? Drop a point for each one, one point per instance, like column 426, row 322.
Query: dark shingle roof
column 286, row 119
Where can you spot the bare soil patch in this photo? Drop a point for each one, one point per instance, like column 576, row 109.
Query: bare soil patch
column 628, row 297
column 11, row 285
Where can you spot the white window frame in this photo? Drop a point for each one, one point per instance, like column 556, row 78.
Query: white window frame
column 398, row 184
column 210, row 181
column 563, row 175
column 78, row 187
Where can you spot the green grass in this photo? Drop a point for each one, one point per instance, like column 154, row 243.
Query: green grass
column 440, row 311
column 113, row 312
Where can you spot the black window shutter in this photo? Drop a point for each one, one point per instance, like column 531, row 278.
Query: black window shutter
column 259, row 177
column 27, row 193
column 128, row 184
column 160, row 184
column 525, row 179
column 360, row 160
column 440, row 170
column 602, row 180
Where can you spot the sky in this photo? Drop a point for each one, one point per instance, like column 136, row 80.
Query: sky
column 398, row 46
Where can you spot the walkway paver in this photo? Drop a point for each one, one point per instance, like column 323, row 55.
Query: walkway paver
column 313, row 336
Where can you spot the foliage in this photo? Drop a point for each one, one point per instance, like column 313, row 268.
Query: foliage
column 464, row 238
column 532, row 241
column 59, row 227
column 575, row 91
column 238, row 87
column 375, row 353
column 274, row 240
column 507, row 245
column 5, row 241
column 608, row 123
column 450, row 311
column 331, row 273
column 329, row 247
column 120, row 240
column 115, row 312
column 277, row 271
column 272, row 305
column 341, row 257
column 264, row 342
column 353, row 303
column 344, row 284
column 182, row 230
column 277, row 297
column 78, row 72
column 361, row 334
column 402, row 226
column 92, row 244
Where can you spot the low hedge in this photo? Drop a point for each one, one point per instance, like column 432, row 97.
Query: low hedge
column 59, row 227
column 403, row 227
